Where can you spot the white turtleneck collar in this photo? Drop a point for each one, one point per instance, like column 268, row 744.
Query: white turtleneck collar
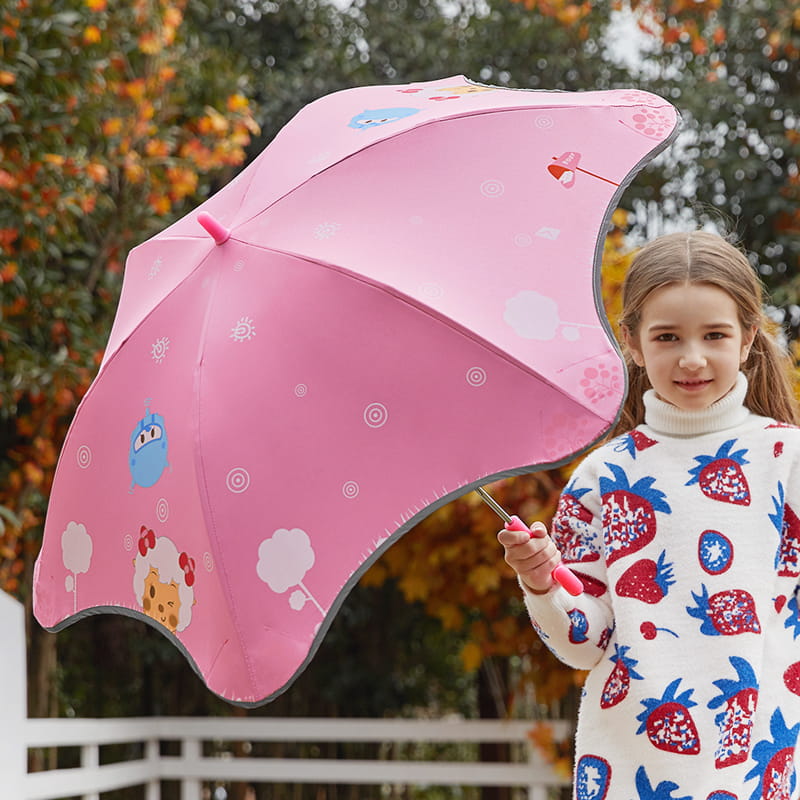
column 727, row 412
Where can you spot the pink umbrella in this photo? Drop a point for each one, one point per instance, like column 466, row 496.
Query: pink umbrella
column 396, row 302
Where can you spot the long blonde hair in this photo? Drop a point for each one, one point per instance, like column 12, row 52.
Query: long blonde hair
column 702, row 257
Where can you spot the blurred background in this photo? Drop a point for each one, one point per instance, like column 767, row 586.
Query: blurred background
column 119, row 116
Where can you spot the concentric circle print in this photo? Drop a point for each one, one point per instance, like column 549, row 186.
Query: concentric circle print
column 544, row 122
column 162, row 509
column 492, row 188
column 208, row 562
column 238, row 480
column 431, row 291
column 476, row 376
column 350, row 489
column 301, row 390
column 84, row 456
column 128, row 542
column 376, row 415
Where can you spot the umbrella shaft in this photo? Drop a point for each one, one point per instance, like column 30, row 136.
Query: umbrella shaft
column 493, row 504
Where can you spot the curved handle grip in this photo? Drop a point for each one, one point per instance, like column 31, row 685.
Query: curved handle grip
column 562, row 574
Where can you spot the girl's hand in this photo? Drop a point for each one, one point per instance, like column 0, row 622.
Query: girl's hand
column 533, row 558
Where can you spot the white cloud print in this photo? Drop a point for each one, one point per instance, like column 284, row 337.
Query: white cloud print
column 76, row 548
column 532, row 315
column 284, row 559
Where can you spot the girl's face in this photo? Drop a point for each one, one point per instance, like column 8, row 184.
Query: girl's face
column 691, row 343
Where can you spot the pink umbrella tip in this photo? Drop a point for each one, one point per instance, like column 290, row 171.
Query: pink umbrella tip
column 218, row 232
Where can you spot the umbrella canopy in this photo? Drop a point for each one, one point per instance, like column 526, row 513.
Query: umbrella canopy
column 396, row 301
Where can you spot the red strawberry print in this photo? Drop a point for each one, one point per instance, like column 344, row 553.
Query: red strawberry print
column 619, row 681
column 646, row 580
column 572, row 529
column 787, row 524
column 725, row 613
column 777, row 449
column 774, row 759
column 640, row 441
column 791, row 678
column 668, row 723
column 738, row 699
column 720, row 476
column 633, row 443
column 629, row 512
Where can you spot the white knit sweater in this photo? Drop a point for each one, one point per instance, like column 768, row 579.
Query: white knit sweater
column 686, row 533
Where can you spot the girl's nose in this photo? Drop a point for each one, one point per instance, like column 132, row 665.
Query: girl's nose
column 692, row 358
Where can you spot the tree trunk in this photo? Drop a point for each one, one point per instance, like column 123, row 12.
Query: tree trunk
column 491, row 705
column 42, row 699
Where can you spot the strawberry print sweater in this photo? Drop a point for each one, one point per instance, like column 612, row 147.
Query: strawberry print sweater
column 686, row 533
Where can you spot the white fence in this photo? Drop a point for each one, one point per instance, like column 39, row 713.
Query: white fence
column 206, row 758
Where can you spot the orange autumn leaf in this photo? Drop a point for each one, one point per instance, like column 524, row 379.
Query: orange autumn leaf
column 149, row 43
column 237, row 102
column 97, row 172
column 7, row 180
column 92, row 34
column 484, row 578
column 157, row 148
column 182, row 181
column 471, row 656
column 112, row 126
column 173, row 17
column 134, row 89
column 9, row 271
column 159, row 203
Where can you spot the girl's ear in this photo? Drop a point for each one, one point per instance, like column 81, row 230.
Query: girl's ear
column 747, row 342
column 631, row 342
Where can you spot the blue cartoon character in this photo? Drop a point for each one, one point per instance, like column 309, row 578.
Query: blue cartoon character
column 380, row 116
column 147, row 457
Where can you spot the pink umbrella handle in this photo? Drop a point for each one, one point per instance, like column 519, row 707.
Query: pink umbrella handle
column 562, row 575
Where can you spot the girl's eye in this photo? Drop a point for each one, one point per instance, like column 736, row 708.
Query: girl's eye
column 716, row 335
column 666, row 337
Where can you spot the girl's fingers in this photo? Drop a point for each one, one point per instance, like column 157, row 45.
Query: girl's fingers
column 525, row 553
column 513, row 538
column 539, row 529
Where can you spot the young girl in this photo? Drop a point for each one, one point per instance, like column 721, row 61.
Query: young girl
column 686, row 533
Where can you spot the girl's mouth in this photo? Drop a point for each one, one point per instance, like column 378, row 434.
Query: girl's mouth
column 693, row 385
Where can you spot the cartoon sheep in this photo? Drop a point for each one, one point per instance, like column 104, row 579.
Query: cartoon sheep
column 163, row 581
